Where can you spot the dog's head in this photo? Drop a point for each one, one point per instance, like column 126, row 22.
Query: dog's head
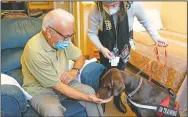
column 112, row 84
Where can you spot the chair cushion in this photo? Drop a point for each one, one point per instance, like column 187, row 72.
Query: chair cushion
column 72, row 107
column 10, row 107
column 16, row 32
column 30, row 112
column 17, row 75
column 16, row 93
column 10, row 59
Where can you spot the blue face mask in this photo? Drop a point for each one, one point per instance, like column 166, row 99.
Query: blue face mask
column 61, row 45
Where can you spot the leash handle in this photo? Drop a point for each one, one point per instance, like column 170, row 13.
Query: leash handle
column 156, row 54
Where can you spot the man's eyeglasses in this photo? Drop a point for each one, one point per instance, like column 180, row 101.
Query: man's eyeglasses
column 66, row 38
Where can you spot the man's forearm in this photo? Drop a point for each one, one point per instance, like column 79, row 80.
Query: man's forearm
column 71, row 92
column 79, row 62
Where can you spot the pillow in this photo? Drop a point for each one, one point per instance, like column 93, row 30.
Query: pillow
column 155, row 18
column 13, row 92
column 17, row 31
column 10, row 59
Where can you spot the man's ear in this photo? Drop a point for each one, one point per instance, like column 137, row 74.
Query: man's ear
column 48, row 33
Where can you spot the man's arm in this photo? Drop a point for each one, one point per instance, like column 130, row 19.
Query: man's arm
column 75, row 94
column 71, row 92
column 79, row 62
column 66, row 77
column 74, row 53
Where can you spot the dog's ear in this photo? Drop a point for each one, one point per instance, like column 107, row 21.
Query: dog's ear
column 123, row 74
column 108, row 83
column 106, row 79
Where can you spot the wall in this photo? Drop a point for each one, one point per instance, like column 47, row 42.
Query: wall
column 63, row 5
column 173, row 14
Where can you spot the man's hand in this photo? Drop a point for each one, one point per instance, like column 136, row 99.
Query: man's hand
column 66, row 78
column 161, row 42
column 73, row 73
column 106, row 53
column 94, row 99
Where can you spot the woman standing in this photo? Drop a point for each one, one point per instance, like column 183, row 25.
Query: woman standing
column 110, row 29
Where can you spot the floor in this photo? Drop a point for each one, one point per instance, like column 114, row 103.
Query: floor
column 111, row 110
column 110, row 107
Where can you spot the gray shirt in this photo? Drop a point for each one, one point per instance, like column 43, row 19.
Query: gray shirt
column 95, row 22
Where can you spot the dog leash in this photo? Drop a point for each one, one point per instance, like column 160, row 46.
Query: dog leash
column 149, row 63
column 156, row 54
column 155, row 108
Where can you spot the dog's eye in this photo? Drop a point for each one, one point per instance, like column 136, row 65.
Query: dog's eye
column 109, row 88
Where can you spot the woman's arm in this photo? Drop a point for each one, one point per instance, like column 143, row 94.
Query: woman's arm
column 139, row 12
column 93, row 24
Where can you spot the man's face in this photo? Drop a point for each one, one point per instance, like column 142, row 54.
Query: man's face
column 61, row 33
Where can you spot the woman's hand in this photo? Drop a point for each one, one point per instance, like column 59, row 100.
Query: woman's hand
column 161, row 42
column 106, row 53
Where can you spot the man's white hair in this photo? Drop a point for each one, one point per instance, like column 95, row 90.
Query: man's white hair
column 55, row 16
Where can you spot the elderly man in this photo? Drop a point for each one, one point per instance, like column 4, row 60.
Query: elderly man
column 45, row 68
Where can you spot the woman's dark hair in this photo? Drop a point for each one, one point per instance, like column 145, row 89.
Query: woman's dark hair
column 122, row 9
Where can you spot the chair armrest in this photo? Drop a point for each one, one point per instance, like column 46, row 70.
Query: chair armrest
column 15, row 93
column 91, row 73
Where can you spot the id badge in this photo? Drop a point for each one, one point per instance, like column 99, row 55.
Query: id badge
column 125, row 55
column 114, row 61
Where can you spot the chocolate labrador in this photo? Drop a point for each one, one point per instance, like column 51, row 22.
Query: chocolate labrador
column 143, row 97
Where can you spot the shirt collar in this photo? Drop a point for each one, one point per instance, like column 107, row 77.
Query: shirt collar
column 45, row 44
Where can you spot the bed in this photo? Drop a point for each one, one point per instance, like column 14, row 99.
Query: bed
column 175, row 72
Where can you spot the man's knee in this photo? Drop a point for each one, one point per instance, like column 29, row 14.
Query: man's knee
column 52, row 110
column 88, row 90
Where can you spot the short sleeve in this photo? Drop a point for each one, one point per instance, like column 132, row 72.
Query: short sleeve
column 73, row 52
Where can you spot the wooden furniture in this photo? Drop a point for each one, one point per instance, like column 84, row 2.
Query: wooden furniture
column 39, row 9
column 40, row 5
column 81, row 12
column 174, row 74
column 9, row 8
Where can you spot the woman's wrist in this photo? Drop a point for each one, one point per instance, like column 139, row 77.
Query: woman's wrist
column 100, row 49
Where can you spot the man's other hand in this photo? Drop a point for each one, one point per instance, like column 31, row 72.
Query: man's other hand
column 66, row 78
column 73, row 73
column 95, row 99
